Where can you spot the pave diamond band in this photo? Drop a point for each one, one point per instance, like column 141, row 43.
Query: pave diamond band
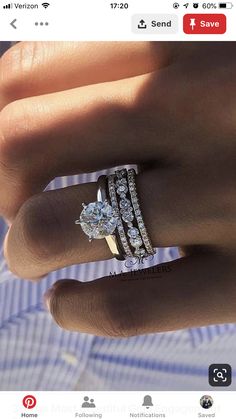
column 138, row 212
column 127, row 214
column 117, row 217
column 120, row 227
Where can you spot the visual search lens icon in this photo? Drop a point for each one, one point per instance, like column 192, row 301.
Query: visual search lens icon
column 147, row 402
column 220, row 375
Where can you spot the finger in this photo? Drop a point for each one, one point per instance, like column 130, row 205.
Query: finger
column 26, row 69
column 45, row 227
column 44, row 237
column 191, row 292
column 80, row 130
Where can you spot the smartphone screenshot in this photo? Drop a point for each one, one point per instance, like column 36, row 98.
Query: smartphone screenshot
column 118, row 209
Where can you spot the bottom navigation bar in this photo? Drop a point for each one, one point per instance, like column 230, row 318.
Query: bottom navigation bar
column 125, row 405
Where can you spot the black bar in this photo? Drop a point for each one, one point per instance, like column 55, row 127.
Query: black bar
column 223, row 5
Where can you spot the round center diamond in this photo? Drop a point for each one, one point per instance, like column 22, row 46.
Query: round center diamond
column 98, row 220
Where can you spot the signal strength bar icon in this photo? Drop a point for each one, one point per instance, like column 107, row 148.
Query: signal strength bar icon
column 45, row 5
column 7, row 6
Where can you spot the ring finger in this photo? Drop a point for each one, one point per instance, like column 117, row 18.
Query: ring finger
column 44, row 237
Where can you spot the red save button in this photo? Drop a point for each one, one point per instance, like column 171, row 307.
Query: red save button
column 204, row 24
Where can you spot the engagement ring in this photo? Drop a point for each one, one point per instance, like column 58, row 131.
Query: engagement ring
column 117, row 217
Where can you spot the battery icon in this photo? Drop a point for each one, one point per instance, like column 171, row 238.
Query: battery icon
column 227, row 5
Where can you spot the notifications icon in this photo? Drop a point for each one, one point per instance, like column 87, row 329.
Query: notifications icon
column 29, row 402
column 147, row 402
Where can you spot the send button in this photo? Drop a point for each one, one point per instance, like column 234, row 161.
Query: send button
column 155, row 24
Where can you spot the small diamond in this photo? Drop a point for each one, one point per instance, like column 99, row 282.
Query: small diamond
column 128, row 216
column 126, row 210
column 137, row 242
column 120, row 173
column 98, row 220
column 133, row 232
column 122, row 189
column 125, row 203
column 121, row 182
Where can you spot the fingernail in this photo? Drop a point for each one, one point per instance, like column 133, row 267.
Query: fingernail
column 47, row 298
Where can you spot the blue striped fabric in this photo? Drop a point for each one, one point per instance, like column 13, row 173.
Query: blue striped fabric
column 36, row 354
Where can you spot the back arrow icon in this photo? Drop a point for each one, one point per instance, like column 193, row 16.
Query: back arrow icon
column 13, row 23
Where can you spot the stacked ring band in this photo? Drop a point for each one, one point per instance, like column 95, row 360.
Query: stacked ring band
column 117, row 217
column 112, row 239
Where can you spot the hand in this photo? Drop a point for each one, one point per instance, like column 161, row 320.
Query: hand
column 78, row 107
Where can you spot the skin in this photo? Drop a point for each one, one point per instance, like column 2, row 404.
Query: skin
column 68, row 108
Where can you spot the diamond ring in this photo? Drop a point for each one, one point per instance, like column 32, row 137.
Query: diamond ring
column 117, row 217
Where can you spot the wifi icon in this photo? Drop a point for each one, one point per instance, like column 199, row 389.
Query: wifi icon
column 45, row 5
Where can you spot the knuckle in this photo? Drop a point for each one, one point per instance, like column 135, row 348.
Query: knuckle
column 13, row 187
column 42, row 229
column 16, row 128
column 15, row 67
